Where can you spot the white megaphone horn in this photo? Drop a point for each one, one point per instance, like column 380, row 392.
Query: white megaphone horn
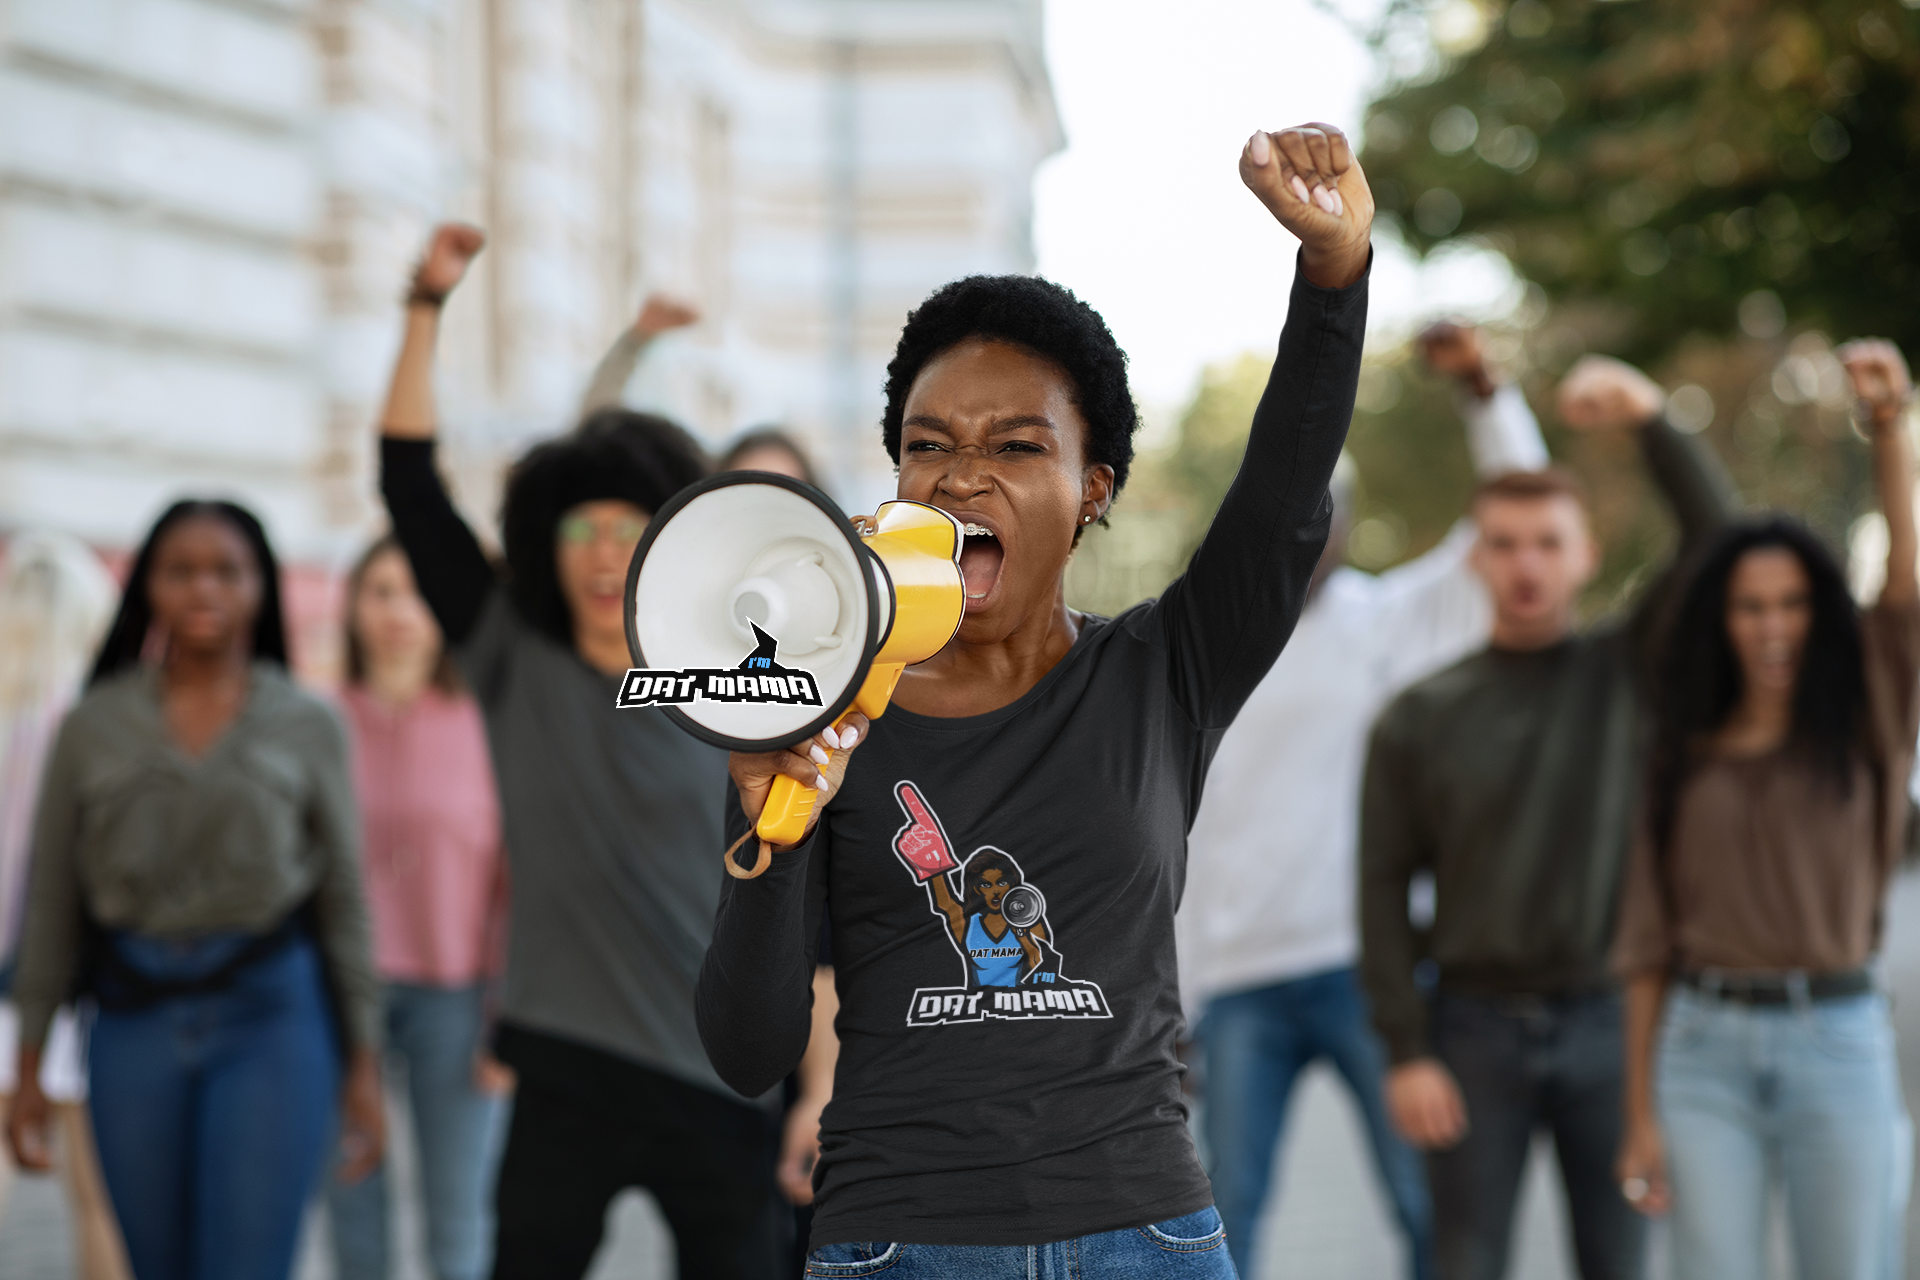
column 759, row 614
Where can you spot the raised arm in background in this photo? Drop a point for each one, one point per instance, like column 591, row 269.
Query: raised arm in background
column 1437, row 605
column 454, row 575
column 658, row 314
column 1883, row 388
column 1604, row 394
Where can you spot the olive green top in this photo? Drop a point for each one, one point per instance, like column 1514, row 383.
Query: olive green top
column 144, row 838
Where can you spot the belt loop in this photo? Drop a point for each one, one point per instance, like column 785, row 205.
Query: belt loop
column 1798, row 991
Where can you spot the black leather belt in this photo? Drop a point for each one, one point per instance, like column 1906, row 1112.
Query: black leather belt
column 1778, row 988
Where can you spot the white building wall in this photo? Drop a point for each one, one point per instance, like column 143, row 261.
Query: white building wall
column 208, row 210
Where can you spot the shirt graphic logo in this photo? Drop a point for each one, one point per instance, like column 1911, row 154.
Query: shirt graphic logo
column 998, row 923
column 758, row 678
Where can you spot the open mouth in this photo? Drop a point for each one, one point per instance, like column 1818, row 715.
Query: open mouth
column 981, row 557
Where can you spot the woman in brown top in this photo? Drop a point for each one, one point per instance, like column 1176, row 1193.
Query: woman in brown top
column 1785, row 725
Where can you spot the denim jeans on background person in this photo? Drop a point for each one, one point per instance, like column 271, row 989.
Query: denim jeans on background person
column 435, row 1033
column 214, row 1112
column 1526, row 1063
column 1257, row 1042
column 1812, row 1092
column 1193, row 1247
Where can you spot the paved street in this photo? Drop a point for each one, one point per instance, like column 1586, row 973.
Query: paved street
column 1332, row 1222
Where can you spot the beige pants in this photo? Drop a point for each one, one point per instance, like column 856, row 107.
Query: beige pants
column 99, row 1253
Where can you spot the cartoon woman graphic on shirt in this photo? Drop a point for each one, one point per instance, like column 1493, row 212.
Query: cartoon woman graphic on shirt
column 998, row 923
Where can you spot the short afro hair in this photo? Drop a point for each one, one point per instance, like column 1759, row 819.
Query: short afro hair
column 614, row 454
column 1042, row 317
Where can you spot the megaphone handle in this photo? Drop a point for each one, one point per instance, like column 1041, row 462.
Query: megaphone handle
column 789, row 807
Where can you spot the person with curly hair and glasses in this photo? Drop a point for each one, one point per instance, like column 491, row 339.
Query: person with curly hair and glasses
column 611, row 820
column 1756, row 1042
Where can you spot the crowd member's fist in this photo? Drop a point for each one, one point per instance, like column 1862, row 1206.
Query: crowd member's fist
column 30, row 1124
column 450, row 252
column 799, row 1152
column 1308, row 178
column 659, row 313
column 1879, row 375
column 1452, row 348
column 1604, row 394
column 1642, row 1170
column 1426, row 1105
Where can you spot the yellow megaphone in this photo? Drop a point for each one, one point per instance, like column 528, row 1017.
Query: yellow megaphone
column 759, row 614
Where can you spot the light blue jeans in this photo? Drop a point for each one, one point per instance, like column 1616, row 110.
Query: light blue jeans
column 1806, row 1092
column 1193, row 1247
column 434, row 1033
column 1257, row 1043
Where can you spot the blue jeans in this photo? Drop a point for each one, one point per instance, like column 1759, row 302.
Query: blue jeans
column 1810, row 1091
column 1193, row 1247
column 213, row 1111
column 1525, row 1063
column 435, row 1032
column 1257, row 1042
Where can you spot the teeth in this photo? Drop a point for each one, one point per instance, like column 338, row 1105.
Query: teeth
column 978, row 531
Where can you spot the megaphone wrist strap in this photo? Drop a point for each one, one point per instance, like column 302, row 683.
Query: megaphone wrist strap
column 760, row 864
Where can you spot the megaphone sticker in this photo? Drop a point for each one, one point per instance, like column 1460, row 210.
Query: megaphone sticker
column 758, row 678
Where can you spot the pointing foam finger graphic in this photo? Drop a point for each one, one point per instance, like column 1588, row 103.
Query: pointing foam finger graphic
column 922, row 843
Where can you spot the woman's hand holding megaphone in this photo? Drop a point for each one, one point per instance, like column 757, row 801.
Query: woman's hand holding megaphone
column 819, row 762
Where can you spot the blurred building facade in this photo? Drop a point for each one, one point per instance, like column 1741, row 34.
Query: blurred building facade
column 208, row 209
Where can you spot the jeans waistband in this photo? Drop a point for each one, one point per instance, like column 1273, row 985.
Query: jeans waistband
column 134, row 970
column 1777, row 988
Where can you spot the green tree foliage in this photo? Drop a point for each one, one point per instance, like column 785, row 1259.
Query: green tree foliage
column 1670, row 160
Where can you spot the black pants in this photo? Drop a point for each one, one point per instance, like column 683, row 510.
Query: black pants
column 1525, row 1063
column 587, row 1125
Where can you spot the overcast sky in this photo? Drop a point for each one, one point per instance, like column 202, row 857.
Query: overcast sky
column 1144, row 214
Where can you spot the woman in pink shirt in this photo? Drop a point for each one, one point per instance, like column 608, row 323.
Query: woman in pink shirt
column 435, row 883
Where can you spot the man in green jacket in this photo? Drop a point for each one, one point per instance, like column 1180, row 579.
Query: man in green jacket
column 1509, row 780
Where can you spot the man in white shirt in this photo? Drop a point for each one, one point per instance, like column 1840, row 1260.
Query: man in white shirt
column 1268, row 928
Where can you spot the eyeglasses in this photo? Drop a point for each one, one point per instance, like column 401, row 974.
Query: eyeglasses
column 622, row 531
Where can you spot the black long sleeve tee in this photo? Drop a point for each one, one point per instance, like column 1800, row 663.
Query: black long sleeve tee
column 1510, row 777
column 1007, row 1071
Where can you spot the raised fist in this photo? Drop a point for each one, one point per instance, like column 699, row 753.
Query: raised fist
column 449, row 253
column 659, row 313
column 1879, row 375
column 1604, row 394
column 922, row 842
column 1309, row 180
column 1452, row 348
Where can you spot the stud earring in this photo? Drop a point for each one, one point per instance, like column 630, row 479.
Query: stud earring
column 1086, row 519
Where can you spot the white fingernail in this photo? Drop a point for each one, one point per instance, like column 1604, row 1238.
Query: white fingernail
column 1321, row 200
column 849, row 738
column 1300, row 189
column 1259, row 149
column 833, row 739
column 1339, row 205
column 819, row 756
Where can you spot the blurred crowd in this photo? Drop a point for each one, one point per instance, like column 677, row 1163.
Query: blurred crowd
column 1620, row 883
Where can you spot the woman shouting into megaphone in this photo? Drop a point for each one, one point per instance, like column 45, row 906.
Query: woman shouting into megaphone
column 978, row 1122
